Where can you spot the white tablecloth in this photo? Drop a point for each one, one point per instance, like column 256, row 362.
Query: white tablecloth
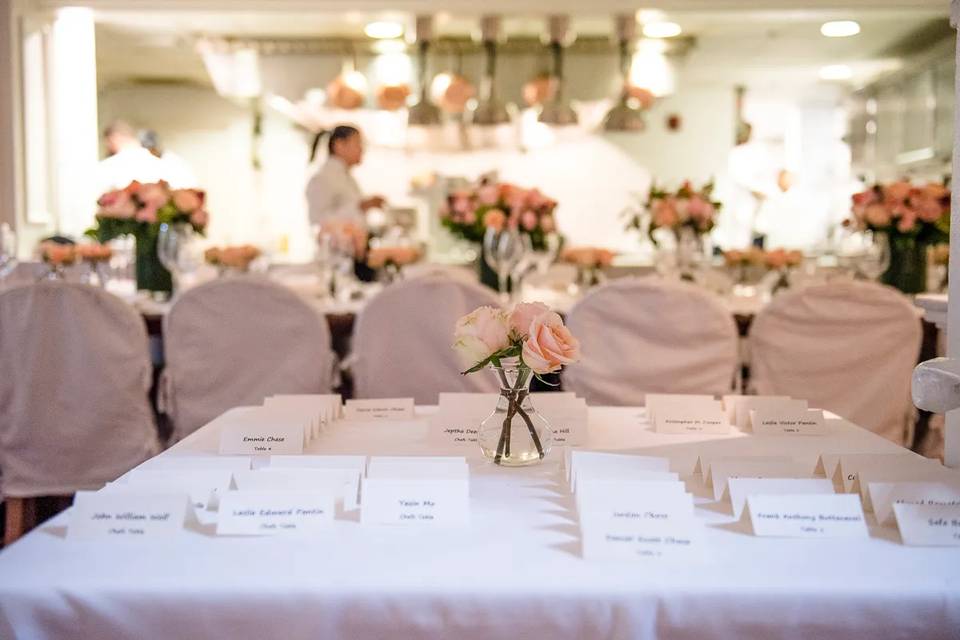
column 516, row 572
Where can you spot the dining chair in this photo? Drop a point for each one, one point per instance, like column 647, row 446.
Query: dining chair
column 849, row 347
column 234, row 341
column 648, row 335
column 403, row 339
column 74, row 408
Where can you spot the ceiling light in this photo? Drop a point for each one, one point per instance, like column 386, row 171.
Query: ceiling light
column 836, row 72
column 662, row 29
column 383, row 30
column 389, row 46
column 840, row 28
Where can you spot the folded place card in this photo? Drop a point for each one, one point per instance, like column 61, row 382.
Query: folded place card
column 567, row 415
column 740, row 489
column 654, row 402
column 458, row 417
column 828, row 463
column 308, row 411
column 745, row 404
column 883, row 495
column 599, row 462
column 326, row 407
column 928, row 525
column 170, row 460
column 789, row 422
column 379, row 409
column 807, row 516
column 415, row 502
column 892, row 466
column 930, row 471
column 692, row 416
column 704, row 460
column 127, row 514
column 407, row 466
column 263, row 431
column 258, row 513
column 342, row 483
column 615, row 499
column 202, row 485
column 678, row 539
column 320, row 462
column 723, row 469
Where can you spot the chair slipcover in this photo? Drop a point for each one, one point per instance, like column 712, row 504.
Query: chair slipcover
column 402, row 340
column 848, row 347
column 235, row 341
column 74, row 409
column 640, row 335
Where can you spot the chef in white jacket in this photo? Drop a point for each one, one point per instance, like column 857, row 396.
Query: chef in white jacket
column 332, row 193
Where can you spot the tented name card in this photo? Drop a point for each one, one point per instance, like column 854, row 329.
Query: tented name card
column 807, row 516
column 567, row 415
column 721, row 470
column 458, row 417
column 654, row 402
column 879, row 467
column 320, row 462
column 324, row 408
column 379, row 409
column 258, row 513
column 203, row 486
column 744, row 405
column 599, row 464
column 741, row 488
column 686, row 414
column 414, row 466
column 415, row 502
column 172, row 461
column 108, row 514
column 883, row 495
column 261, row 431
column 790, row 422
column 646, row 500
column 705, row 461
column 677, row 540
column 344, row 484
column 928, row 525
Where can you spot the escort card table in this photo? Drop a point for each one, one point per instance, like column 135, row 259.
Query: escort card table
column 515, row 572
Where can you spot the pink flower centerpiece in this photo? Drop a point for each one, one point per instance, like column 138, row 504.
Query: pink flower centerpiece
column 687, row 208
column 527, row 342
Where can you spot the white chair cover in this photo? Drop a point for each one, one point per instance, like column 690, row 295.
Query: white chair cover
column 402, row 340
column 848, row 347
column 641, row 335
column 235, row 341
column 74, row 409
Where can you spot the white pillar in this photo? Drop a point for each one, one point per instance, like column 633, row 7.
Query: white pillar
column 75, row 136
column 951, row 452
column 9, row 120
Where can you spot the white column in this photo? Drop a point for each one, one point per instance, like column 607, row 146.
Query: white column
column 951, row 451
column 75, row 136
column 9, row 125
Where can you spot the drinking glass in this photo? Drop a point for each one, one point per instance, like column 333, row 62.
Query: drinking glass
column 875, row 258
column 502, row 250
column 176, row 249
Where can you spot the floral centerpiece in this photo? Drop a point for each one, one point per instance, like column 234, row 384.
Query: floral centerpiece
column 139, row 209
column 589, row 261
column 750, row 266
column 686, row 209
column 390, row 260
column 57, row 256
column 93, row 252
column 237, row 258
column 912, row 218
column 527, row 342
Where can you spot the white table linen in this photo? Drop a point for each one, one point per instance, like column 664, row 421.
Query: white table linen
column 516, row 572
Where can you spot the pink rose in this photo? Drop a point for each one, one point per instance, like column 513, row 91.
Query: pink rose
column 495, row 219
column 547, row 223
column 928, row 209
column 199, row 218
column 117, row 204
column 186, row 200
column 523, row 315
column 907, row 221
column 153, row 195
column 528, row 219
column 550, row 345
column 896, row 191
column 148, row 214
column 699, row 209
column 664, row 214
column 461, row 204
column 935, row 191
column 488, row 194
column 536, row 200
column 877, row 215
column 864, row 198
column 480, row 334
column 469, row 217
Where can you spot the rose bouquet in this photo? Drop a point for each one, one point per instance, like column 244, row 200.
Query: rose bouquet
column 57, row 255
column 390, row 260
column 527, row 342
column 93, row 252
column 469, row 212
column 237, row 257
column 589, row 262
column 139, row 210
column 687, row 208
column 755, row 257
column 911, row 218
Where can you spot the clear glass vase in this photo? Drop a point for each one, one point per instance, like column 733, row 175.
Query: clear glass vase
column 515, row 434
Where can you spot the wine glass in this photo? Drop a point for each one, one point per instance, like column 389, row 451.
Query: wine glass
column 875, row 258
column 8, row 251
column 175, row 249
column 502, row 250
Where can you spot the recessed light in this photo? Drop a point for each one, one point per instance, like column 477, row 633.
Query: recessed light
column 836, row 72
column 840, row 28
column 383, row 30
column 662, row 29
column 389, row 46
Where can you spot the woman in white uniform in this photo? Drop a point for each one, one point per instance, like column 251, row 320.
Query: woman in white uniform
column 332, row 193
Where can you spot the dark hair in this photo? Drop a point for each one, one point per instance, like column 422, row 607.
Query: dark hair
column 339, row 132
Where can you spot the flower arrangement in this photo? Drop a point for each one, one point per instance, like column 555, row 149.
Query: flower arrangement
column 529, row 341
column 380, row 257
column 589, row 262
column 237, row 257
column 901, row 208
column 57, row 255
column 757, row 257
column 469, row 212
column 93, row 252
column 686, row 208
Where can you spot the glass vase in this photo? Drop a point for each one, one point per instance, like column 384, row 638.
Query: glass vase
column 515, row 434
column 151, row 274
column 908, row 265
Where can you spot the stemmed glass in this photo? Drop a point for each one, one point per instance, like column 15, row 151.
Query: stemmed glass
column 502, row 250
column 176, row 253
column 8, row 251
column 875, row 258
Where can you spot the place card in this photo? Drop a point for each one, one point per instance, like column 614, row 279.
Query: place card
column 203, row 486
column 677, row 539
column 415, row 502
column 458, row 417
column 411, row 466
column 600, row 464
column 567, row 415
column 342, row 483
column 850, row 466
column 109, row 514
column 883, row 495
column 739, row 489
column 613, row 499
column 379, row 409
column 743, row 405
column 790, row 421
column 723, row 469
column 326, row 407
column 704, row 461
column 320, row 462
column 654, row 402
column 263, row 431
column 807, row 516
column 258, row 513
column 167, row 461
column 928, row 525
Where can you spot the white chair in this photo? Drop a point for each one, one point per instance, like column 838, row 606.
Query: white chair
column 234, row 341
column 641, row 335
column 74, row 408
column 402, row 340
column 848, row 347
